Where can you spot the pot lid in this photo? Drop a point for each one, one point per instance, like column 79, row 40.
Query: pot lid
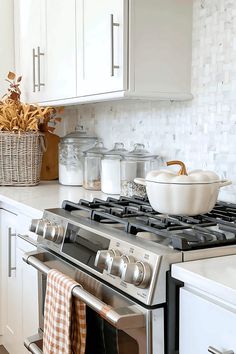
column 182, row 177
column 98, row 149
column 117, row 152
column 78, row 134
column 140, row 152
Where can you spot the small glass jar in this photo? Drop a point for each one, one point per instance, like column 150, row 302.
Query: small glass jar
column 110, row 177
column 92, row 167
column 71, row 156
column 137, row 163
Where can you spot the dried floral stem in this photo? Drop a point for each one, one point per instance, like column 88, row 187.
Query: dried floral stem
column 16, row 116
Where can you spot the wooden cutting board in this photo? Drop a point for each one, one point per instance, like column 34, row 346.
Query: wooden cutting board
column 49, row 170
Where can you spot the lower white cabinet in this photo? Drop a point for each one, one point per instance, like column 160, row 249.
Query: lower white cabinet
column 9, row 293
column 28, row 288
column 204, row 323
column 19, row 287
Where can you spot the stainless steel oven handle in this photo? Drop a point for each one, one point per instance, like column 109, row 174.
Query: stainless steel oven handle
column 31, row 344
column 127, row 320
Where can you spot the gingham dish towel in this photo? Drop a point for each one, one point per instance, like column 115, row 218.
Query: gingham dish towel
column 64, row 317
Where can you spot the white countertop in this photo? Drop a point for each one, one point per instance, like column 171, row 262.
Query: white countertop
column 34, row 200
column 216, row 276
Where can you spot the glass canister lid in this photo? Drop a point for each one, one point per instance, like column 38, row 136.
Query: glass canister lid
column 117, row 152
column 97, row 150
column 78, row 134
column 139, row 152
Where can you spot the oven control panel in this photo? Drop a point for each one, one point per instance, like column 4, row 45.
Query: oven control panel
column 124, row 266
column 50, row 231
column 130, row 268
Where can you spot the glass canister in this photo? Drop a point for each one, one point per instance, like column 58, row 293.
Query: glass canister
column 136, row 163
column 92, row 167
column 110, row 178
column 71, row 156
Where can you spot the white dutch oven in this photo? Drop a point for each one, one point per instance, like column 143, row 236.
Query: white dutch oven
column 181, row 193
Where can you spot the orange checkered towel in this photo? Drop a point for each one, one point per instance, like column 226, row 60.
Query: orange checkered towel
column 64, row 317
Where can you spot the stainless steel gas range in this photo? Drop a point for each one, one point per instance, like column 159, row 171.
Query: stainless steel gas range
column 120, row 251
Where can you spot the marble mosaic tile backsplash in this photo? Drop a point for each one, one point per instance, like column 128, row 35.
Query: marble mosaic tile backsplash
column 201, row 132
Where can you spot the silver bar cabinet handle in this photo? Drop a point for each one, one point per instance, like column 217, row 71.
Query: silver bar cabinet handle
column 113, row 24
column 39, row 69
column 34, row 82
column 215, row 351
column 10, row 268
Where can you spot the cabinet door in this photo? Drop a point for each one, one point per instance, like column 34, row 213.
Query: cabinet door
column 60, row 50
column 204, row 323
column 9, row 291
column 28, row 286
column 101, row 30
column 29, row 24
column 19, row 284
column 46, row 48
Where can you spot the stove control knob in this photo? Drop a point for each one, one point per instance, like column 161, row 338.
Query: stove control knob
column 103, row 258
column 41, row 226
column 53, row 232
column 116, row 264
column 138, row 274
column 34, row 224
column 59, row 234
column 49, row 232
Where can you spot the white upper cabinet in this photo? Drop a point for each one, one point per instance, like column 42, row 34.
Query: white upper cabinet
column 160, row 54
column 60, row 50
column 93, row 50
column 46, row 48
column 29, row 41
column 6, row 43
column 101, row 40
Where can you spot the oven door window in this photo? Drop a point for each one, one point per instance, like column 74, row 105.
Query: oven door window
column 82, row 245
column 102, row 337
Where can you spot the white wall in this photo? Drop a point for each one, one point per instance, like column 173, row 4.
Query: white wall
column 201, row 132
column 6, row 42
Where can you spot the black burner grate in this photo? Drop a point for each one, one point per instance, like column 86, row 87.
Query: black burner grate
column 136, row 215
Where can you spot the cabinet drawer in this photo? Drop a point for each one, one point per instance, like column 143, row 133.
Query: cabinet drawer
column 24, row 246
column 205, row 323
column 23, row 224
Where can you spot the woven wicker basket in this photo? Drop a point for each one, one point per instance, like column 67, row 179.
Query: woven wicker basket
column 20, row 158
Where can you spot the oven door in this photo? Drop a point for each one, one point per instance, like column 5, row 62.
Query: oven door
column 131, row 322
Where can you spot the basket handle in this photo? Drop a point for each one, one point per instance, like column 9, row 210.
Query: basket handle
column 43, row 142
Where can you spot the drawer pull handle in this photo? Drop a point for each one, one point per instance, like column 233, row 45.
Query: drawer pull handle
column 34, row 80
column 113, row 24
column 10, row 268
column 39, row 69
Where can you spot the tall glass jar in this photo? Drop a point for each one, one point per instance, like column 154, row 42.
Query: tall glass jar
column 71, row 156
column 110, row 178
column 136, row 163
column 92, row 167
